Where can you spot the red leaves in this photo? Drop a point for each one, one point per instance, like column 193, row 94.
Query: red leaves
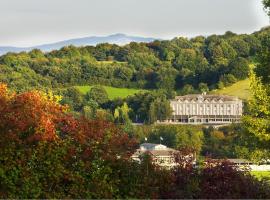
column 33, row 116
column 55, row 152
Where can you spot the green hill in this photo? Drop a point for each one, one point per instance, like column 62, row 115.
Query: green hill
column 239, row 89
column 112, row 91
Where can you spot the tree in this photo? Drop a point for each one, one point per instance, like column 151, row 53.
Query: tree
column 90, row 109
column 73, row 98
column 123, row 73
column 220, row 52
column 168, row 133
column 239, row 68
column 257, row 121
column 267, row 6
column 265, row 54
column 121, row 114
column 240, row 46
column 263, row 68
column 160, row 109
column 187, row 89
column 98, row 94
column 220, row 85
column 223, row 180
column 191, row 139
column 203, row 87
column 166, row 82
column 254, row 44
column 227, row 80
column 49, row 153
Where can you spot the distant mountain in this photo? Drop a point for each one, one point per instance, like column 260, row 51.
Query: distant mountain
column 120, row 39
column 4, row 50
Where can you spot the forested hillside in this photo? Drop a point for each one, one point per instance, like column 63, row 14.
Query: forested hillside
column 161, row 69
column 185, row 65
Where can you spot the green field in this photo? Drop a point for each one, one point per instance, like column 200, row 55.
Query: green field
column 239, row 89
column 112, row 91
column 261, row 174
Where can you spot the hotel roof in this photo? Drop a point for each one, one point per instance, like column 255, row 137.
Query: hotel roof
column 197, row 97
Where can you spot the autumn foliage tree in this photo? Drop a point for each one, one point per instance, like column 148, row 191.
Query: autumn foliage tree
column 47, row 153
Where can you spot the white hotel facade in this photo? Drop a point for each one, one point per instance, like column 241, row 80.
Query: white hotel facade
column 206, row 109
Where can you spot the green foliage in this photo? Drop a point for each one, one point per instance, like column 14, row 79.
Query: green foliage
column 181, row 65
column 121, row 114
column 258, row 119
column 90, row 108
column 228, row 79
column 263, row 67
column 149, row 106
column 221, row 85
column 267, row 6
column 220, row 52
column 98, row 94
column 160, row 109
column 166, row 82
column 261, row 174
column 136, row 65
column 239, row 68
column 174, row 136
column 187, row 89
column 203, row 87
column 240, row 46
column 73, row 98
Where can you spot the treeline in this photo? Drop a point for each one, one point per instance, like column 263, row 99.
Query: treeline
column 190, row 65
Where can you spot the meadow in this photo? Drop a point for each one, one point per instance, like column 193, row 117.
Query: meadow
column 112, row 92
column 239, row 89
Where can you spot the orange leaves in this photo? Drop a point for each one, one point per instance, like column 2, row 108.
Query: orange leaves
column 3, row 89
column 34, row 116
column 4, row 95
column 30, row 116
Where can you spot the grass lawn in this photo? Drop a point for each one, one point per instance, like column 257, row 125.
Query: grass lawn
column 261, row 174
column 239, row 89
column 112, row 91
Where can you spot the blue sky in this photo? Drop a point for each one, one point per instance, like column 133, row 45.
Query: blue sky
column 32, row 22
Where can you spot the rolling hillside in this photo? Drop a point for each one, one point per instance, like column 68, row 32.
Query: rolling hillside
column 113, row 92
column 239, row 89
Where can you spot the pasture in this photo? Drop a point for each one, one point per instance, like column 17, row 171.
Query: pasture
column 239, row 89
column 112, row 92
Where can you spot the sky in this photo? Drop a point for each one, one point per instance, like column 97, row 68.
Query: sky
column 33, row 22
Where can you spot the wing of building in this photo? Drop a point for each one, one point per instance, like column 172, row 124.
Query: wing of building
column 206, row 109
column 161, row 154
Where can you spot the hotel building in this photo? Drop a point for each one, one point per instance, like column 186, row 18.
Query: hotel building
column 206, row 109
